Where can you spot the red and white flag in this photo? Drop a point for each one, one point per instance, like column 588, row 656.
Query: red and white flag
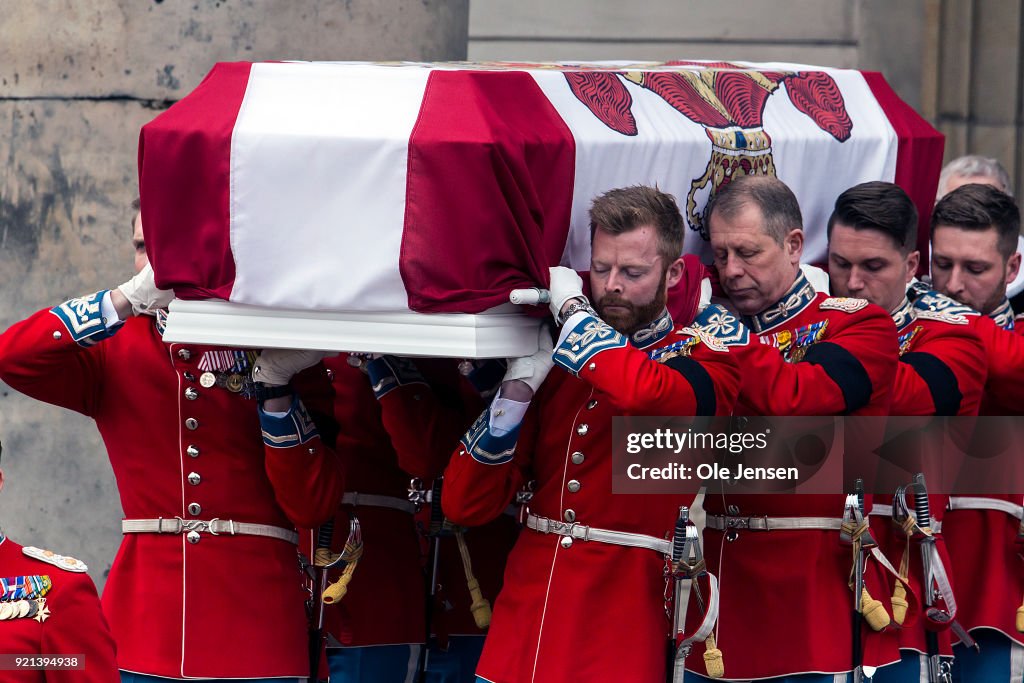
column 441, row 187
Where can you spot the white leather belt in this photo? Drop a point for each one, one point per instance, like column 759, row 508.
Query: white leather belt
column 582, row 532
column 979, row 503
column 214, row 527
column 764, row 523
column 886, row 511
column 375, row 501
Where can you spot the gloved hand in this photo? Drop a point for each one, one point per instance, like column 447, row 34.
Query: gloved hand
column 565, row 284
column 142, row 293
column 276, row 367
column 534, row 368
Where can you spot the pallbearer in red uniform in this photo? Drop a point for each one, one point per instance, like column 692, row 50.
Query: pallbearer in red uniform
column 211, row 484
column 398, row 418
column 974, row 242
column 376, row 630
column 584, row 592
column 942, row 363
column 974, row 256
column 425, row 405
column 49, row 609
column 787, row 616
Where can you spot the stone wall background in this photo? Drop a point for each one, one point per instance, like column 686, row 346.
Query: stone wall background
column 78, row 79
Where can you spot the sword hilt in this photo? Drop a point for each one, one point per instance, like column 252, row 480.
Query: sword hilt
column 325, row 534
column 679, row 537
column 436, row 513
column 921, row 509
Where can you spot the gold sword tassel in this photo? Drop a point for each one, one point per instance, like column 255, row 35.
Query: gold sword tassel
column 351, row 554
column 481, row 607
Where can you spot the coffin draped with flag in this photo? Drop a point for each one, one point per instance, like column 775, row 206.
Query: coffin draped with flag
column 340, row 193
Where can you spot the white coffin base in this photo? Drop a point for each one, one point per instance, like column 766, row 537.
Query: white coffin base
column 502, row 332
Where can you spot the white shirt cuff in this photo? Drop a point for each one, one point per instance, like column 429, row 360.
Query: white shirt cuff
column 108, row 311
column 505, row 415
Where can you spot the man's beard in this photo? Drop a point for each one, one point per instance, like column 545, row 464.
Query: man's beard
column 636, row 315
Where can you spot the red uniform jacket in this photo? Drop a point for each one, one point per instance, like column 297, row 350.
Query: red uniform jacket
column 844, row 351
column 941, row 372
column 424, row 416
column 984, row 545
column 1003, row 349
column 785, row 602
column 173, row 443
column 70, row 624
column 590, row 611
column 385, row 601
column 942, row 366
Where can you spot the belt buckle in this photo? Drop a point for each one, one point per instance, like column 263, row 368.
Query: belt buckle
column 417, row 495
column 581, row 532
column 746, row 523
column 198, row 525
column 737, row 522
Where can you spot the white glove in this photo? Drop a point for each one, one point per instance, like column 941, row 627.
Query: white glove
column 566, row 284
column 276, row 367
column 142, row 293
column 534, row 368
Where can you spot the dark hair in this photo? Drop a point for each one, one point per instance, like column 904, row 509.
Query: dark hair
column 628, row 208
column 980, row 207
column 779, row 207
column 881, row 206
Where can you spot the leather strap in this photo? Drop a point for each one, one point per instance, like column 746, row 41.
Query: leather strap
column 726, row 522
column 214, row 527
column 373, row 500
column 582, row 532
column 886, row 511
column 980, row 503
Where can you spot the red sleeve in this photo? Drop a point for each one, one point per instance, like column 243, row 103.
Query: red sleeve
column 476, row 492
column 424, row 420
column 76, row 627
column 40, row 359
column 307, row 475
column 850, row 370
column 691, row 372
column 943, row 373
column 705, row 382
column 1005, row 354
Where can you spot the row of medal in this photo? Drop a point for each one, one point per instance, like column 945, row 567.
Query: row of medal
column 25, row 609
column 22, row 597
column 229, row 370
